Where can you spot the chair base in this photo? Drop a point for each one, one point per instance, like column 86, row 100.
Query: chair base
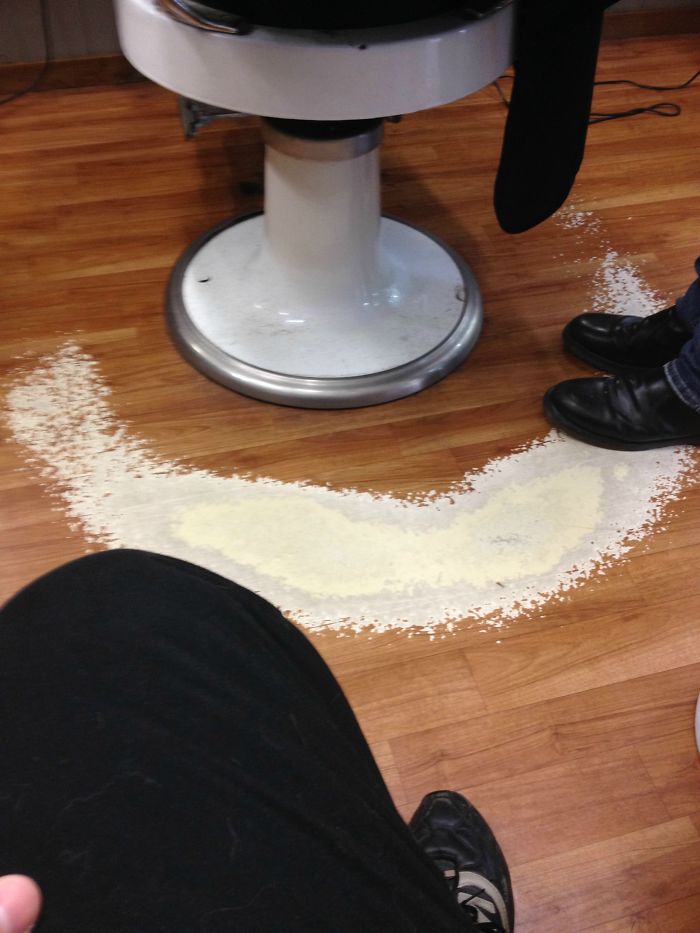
column 239, row 317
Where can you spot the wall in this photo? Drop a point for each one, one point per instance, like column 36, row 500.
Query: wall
column 78, row 28
column 86, row 27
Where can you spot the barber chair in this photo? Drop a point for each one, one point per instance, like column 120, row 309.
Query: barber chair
column 320, row 301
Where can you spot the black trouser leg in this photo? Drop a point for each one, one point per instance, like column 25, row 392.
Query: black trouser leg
column 176, row 756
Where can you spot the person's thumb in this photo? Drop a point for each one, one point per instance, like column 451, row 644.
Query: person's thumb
column 20, row 903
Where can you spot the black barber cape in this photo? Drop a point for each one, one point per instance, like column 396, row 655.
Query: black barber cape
column 556, row 48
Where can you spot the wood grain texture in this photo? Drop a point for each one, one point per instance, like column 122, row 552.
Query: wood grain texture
column 571, row 728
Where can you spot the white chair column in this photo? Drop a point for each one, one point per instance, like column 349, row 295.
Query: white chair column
column 319, row 301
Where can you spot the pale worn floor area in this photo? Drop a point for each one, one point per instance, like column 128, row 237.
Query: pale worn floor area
column 572, row 730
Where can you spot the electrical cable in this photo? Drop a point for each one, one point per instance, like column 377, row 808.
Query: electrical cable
column 659, row 109
column 34, row 84
column 662, row 109
column 499, row 90
column 653, row 87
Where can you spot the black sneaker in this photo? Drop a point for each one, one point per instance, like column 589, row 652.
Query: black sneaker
column 458, row 839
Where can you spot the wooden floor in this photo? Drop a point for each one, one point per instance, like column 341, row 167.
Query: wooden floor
column 572, row 731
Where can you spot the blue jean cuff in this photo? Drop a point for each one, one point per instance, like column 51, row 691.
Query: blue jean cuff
column 688, row 305
column 680, row 386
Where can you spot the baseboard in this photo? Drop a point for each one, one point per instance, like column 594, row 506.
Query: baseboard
column 650, row 23
column 70, row 72
column 115, row 69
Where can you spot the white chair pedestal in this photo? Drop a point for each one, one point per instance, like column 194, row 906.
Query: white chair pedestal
column 320, row 301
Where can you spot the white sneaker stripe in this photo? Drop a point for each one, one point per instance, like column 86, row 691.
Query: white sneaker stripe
column 471, row 879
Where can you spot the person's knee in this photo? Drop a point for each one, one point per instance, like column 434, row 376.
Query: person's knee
column 95, row 591
column 130, row 603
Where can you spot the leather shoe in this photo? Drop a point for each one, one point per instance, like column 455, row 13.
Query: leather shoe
column 636, row 412
column 624, row 344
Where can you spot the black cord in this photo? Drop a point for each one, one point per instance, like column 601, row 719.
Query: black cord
column 504, row 99
column 663, row 109
column 653, row 87
column 44, row 12
column 660, row 109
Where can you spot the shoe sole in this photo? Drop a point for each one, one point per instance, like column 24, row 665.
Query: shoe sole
column 603, row 440
column 602, row 363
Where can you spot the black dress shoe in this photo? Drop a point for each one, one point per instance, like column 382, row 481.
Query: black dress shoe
column 625, row 344
column 453, row 833
column 637, row 412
